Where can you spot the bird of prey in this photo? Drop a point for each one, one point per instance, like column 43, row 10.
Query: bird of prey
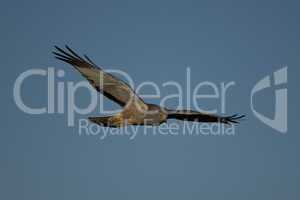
column 135, row 110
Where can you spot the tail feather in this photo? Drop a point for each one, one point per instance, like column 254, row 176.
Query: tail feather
column 103, row 121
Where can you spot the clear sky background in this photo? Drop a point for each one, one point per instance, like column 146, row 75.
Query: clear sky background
column 221, row 41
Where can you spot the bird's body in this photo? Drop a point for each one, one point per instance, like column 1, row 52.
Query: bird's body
column 153, row 116
column 135, row 110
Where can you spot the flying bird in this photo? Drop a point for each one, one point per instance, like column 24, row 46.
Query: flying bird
column 135, row 111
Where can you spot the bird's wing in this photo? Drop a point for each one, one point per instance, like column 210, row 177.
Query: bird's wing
column 112, row 87
column 188, row 115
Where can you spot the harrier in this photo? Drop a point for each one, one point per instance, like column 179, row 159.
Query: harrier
column 135, row 110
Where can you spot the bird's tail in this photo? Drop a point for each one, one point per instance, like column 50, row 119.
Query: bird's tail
column 104, row 121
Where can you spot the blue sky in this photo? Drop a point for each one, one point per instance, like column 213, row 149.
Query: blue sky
column 221, row 41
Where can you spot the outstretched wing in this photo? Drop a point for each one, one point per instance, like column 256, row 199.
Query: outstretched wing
column 188, row 115
column 112, row 87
